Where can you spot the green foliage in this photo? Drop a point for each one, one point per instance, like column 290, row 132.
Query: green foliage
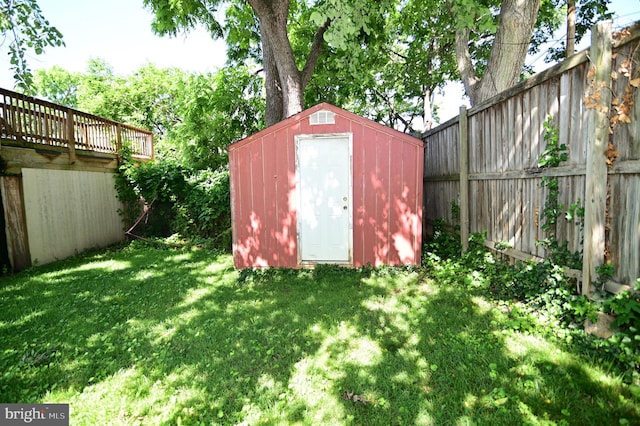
column 575, row 213
column 242, row 35
column 205, row 210
column 540, row 299
column 215, row 110
column 58, row 86
column 25, row 27
column 455, row 213
column 605, row 272
column 552, row 156
column 443, row 243
column 625, row 306
column 194, row 117
column 589, row 12
column 554, row 153
column 126, row 193
column 384, row 59
column 193, row 203
column 349, row 20
column 546, row 300
column 480, row 15
column 398, row 66
column 176, row 16
column 297, row 22
column 145, row 99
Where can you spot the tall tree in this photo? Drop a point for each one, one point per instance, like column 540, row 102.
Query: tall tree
column 384, row 58
column 276, row 46
column 25, row 28
column 287, row 71
column 284, row 82
column 515, row 26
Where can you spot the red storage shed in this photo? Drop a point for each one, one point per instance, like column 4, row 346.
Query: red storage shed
column 326, row 186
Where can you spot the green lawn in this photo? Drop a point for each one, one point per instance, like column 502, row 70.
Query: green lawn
column 139, row 335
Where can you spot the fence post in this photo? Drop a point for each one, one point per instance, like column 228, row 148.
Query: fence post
column 119, row 142
column 464, row 178
column 71, row 134
column 597, row 142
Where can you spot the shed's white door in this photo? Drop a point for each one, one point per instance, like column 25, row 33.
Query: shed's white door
column 324, row 198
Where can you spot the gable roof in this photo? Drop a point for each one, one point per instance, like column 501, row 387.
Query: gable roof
column 337, row 111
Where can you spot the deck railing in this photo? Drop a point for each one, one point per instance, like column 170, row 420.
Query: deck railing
column 27, row 120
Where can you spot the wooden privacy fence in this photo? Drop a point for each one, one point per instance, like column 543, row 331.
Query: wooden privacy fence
column 27, row 120
column 486, row 160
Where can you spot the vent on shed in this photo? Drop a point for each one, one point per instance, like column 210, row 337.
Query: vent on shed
column 322, row 117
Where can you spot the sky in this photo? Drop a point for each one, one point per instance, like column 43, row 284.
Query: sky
column 119, row 32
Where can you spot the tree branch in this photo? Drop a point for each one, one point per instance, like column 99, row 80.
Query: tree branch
column 314, row 53
column 393, row 52
column 392, row 108
column 465, row 65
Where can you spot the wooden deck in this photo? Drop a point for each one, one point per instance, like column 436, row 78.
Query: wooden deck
column 55, row 131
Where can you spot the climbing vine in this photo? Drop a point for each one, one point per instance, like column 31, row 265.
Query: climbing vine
column 622, row 103
column 553, row 155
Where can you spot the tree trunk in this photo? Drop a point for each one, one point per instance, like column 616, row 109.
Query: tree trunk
column 273, row 16
column 427, row 99
column 509, row 51
column 273, row 111
column 571, row 27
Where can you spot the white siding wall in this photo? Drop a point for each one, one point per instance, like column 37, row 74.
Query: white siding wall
column 68, row 212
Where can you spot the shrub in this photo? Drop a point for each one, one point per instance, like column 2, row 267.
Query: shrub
column 193, row 203
column 625, row 306
column 540, row 297
column 205, row 208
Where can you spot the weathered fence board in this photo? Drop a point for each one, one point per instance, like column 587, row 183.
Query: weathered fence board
column 505, row 137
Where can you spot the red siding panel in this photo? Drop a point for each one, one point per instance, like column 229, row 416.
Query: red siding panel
column 382, row 201
column 359, row 216
column 406, row 204
column 270, row 193
column 234, row 184
column 283, row 228
column 288, row 198
column 398, row 240
column 371, row 184
column 305, row 128
column 342, row 125
column 244, row 241
column 419, row 201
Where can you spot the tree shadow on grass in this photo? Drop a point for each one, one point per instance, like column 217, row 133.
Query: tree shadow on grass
column 69, row 323
column 456, row 364
column 169, row 336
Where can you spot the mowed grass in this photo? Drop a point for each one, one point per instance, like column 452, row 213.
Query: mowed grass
column 139, row 335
